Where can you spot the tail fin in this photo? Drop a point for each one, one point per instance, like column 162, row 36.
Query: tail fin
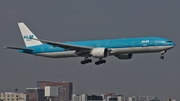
column 28, row 35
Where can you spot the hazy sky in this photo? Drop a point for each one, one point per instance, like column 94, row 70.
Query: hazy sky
column 144, row 74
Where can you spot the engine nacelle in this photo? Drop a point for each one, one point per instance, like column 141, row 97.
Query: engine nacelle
column 124, row 56
column 99, row 52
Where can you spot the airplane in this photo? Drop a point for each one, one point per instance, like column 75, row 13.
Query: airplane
column 122, row 48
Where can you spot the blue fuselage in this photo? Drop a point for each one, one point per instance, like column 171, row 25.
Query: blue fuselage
column 118, row 46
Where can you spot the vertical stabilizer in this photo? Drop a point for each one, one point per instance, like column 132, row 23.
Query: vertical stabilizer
column 28, row 35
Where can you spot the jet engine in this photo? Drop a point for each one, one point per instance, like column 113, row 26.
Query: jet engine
column 124, row 56
column 99, row 52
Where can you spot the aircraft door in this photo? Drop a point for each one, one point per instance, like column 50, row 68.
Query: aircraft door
column 156, row 43
column 133, row 44
column 42, row 49
column 97, row 44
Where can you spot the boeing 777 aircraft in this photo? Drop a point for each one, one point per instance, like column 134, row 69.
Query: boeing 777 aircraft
column 122, row 48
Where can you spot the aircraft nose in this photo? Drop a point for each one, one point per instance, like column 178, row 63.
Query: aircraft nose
column 173, row 44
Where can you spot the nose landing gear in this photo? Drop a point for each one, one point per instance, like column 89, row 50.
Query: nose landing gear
column 161, row 57
column 162, row 53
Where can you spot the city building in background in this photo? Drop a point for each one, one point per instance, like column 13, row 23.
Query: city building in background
column 169, row 99
column 65, row 89
column 62, row 91
column 174, row 100
column 35, row 94
column 86, row 97
column 111, row 97
column 147, row 98
column 51, row 93
column 11, row 96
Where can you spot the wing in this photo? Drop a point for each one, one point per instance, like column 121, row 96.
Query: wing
column 66, row 46
column 17, row 48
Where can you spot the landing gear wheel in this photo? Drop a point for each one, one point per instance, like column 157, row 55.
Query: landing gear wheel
column 86, row 61
column 83, row 62
column 100, row 61
column 103, row 61
column 89, row 60
column 96, row 63
column 161, row 57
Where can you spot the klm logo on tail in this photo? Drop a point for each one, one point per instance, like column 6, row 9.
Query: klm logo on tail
column 28, row 37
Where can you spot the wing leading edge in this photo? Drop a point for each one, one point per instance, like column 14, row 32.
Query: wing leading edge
column 66, row 46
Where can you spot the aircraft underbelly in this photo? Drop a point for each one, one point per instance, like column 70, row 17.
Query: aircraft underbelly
column 58, row 54
column 114, row 51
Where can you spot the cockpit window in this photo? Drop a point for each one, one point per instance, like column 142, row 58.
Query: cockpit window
column 168, row 41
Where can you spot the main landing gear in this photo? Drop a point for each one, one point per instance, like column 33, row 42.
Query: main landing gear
column 100, row 61
column 86, row 60
column 162, row 53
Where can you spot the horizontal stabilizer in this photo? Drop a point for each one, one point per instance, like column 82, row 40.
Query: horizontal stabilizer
column 17, row 48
